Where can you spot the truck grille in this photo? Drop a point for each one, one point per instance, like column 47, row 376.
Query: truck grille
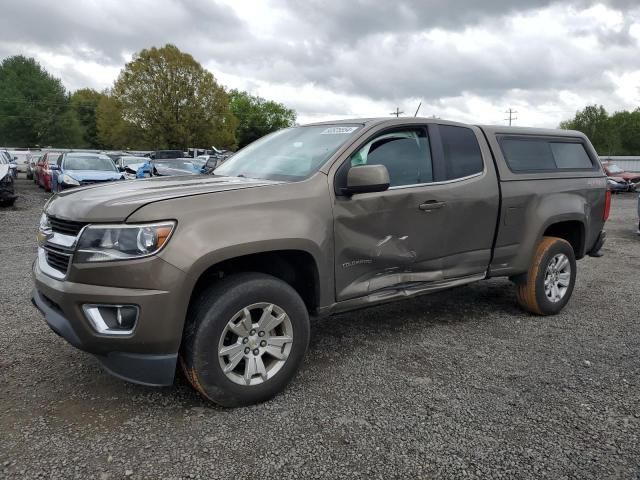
column 66, row 227
column 57, row 258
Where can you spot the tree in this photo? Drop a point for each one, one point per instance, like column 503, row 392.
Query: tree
column 113, row 131
column 627, row 126
column 594, row 122
column 34, row 106
column 84, row 104
column 176, row 103
column 258, row 117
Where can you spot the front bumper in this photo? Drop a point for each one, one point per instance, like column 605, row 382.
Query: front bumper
column 147, row 356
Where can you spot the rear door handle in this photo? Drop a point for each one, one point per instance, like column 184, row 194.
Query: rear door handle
column 431, row 205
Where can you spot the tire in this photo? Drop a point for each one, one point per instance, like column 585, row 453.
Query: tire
column 531, row 292
column 208, row 330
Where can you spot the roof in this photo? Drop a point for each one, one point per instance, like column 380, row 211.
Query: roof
column 490, row 128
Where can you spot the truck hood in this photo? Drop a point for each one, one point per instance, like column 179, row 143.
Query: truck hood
column 114, row 202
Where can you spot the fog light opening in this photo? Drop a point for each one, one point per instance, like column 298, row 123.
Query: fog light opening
column 112, row 319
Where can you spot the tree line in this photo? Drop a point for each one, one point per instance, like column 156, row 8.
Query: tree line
column 615, row 134
column 162, row 98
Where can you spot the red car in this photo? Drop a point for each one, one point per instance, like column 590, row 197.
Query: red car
column 613, row 170
column 43, row 172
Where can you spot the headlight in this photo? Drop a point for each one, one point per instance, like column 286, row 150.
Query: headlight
column 68, row 180
column 102, row 243
column 44, row 229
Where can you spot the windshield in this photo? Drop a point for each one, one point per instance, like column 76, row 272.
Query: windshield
column 613, row 168
column 186, row 165
column 90, row 162
column 291, row 154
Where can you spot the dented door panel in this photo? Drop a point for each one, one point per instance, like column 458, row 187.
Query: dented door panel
column 382, row 239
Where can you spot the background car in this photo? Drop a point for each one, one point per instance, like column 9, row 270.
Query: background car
column 176, row 166
column 74, row 169
column 7, row 192
column 22, row 161
column 613, row 170
column 33, row 161
column 7, row 156
column 43, row 169
column 134, row 167
column 617, row 184
column 166, row 154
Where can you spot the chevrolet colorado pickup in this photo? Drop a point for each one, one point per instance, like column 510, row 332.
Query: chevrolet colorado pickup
column 221, row 273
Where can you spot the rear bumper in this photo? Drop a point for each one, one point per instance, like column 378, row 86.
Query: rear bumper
column 595, row 251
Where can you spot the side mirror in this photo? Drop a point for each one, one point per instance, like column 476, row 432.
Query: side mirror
column 15, row 159
column 121, row 168
column 54, row 167
column 366, row 179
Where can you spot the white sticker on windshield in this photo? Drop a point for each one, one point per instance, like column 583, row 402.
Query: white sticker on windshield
column 338, row 130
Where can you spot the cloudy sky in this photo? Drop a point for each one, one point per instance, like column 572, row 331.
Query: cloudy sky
column 465, row 60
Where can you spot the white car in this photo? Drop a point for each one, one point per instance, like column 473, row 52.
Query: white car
column 22, row 159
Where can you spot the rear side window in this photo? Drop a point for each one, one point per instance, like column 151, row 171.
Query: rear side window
column 539, row 154
column 570, row 155
column 462, row 154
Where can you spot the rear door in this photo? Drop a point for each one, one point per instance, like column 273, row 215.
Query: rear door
column 468, row 189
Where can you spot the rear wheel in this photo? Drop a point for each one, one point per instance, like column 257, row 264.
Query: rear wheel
column 245, row 339
column 549, row 283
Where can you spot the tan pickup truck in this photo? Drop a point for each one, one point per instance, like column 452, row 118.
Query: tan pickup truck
column 221, row 273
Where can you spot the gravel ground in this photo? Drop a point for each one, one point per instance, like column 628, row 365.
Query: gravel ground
column 459, row 384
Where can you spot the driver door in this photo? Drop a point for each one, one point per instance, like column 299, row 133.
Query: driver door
column 393, row 237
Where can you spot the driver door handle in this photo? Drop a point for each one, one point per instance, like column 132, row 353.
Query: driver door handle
column 431, row 205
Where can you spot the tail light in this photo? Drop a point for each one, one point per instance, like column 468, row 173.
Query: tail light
column 607, row 205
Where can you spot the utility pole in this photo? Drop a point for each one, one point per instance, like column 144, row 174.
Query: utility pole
column 511, row 112
column 397, row 112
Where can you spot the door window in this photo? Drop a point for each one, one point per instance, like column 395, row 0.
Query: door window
column 406, row 154
column 462, row 154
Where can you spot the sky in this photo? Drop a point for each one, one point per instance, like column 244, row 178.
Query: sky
column 465, row 60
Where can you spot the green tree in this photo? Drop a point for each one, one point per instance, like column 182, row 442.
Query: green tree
column 595, row 123
column 34, row 106
column 174, row 101
column 84, row 104
column 113, row 131
column 627, row 126
column 258, row 117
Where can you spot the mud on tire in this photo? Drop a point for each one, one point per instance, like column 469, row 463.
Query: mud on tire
column 546, row 288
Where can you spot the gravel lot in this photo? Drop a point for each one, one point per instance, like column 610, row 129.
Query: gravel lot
column 460, row 384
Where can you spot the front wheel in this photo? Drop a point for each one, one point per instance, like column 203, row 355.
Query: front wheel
column 245, row 339
column 549, row 283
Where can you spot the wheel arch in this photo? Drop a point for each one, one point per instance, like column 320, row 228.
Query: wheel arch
column 571, row 230
column 299, row 264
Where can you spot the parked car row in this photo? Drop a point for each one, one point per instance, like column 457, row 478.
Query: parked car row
column 55, row 171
